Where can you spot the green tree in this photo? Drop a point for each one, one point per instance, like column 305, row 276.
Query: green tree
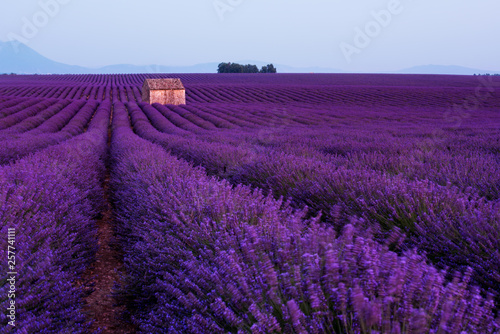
column 249, row 68
column 223, row 68
column 268, row 69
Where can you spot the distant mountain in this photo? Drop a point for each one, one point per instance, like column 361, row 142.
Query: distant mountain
column 314, row 69
column 18, row 58
column 444, row 69
column 206, row 68
column 124, row 68
column 290, row 69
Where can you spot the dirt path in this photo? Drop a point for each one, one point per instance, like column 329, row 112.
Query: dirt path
column 105, row 272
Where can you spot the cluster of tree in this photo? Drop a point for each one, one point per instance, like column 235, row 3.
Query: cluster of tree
column 268, row 69
column 487, row 74
column 238, row 68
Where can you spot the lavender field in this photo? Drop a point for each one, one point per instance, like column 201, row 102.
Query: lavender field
column 280, row 203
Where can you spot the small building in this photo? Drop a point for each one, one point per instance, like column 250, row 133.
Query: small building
column 163, row 91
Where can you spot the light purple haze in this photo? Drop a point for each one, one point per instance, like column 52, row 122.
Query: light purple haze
column 297, row 33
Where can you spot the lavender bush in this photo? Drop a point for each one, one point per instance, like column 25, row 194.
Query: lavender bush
column 337, row 171
column 439, row 219
column 203, row 256
column 51, row 132
column 51, row 198
column 34, row 121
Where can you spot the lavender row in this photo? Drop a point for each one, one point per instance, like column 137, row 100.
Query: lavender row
column 239, row 79
column 450, row 157
column 191, row 117
column 11, row 102
column 99, row 93
column 465, row 157
column 23, row 114
column 51, row 199
column 166, row 121
column 83, row 117
column 18, row 107
column 248, row 114
column 456, row 229
column 234, row 119
column 219, row 122
column 437, row 92
column 58, row 121
column 177, row 119
column 32, row 122
column 14, row 149
column 202, row 256
column 439, row 219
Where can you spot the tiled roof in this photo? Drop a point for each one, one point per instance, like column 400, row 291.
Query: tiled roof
column 163, row 84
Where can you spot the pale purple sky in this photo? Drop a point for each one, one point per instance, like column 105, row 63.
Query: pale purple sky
column 361, row 35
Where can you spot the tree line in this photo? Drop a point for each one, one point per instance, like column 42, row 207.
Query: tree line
column 238, row 68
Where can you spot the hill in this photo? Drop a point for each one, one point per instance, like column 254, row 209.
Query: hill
column 18, row 58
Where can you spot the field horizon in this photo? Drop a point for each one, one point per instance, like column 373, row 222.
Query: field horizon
column 18, row 58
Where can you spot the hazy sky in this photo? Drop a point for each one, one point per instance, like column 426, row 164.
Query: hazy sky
column 354, row 35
